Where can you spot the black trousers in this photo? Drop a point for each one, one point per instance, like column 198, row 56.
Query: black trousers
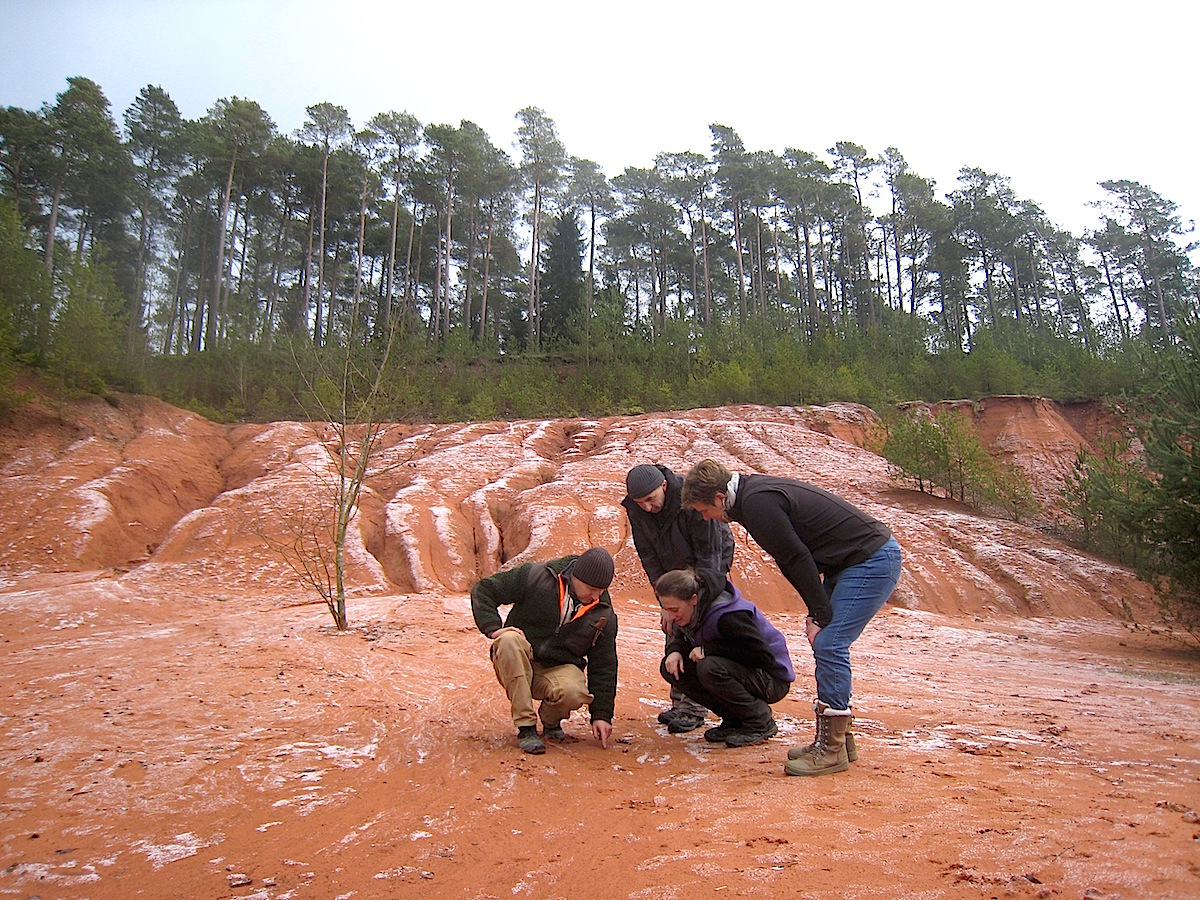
column 737, row 693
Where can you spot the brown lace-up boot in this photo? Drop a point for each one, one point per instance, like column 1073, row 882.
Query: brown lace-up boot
column 828, row 754
column 851, row 750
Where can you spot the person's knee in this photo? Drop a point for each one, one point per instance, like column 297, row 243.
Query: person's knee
column 574, row 697
column 566, row 690
column 509, row 641
column 829, row 641
column 511, row 645
column 510, row 656
column 711, row 670
column 829, row 656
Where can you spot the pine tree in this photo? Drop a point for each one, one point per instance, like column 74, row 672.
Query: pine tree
column 563, row 283
column 1171, row 437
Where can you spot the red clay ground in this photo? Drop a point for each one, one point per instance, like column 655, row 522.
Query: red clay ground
column 177, row 720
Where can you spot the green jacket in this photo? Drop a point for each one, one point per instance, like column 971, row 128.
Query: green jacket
column 589, row 641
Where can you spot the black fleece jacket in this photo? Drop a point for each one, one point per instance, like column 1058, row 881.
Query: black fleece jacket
column 809, row 531
column 589, row 642
column 677, row 538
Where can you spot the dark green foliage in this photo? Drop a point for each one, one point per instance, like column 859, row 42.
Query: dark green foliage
column 1106, row 493
column 25, row 302
column 944, row 451
column 201, row 247
column 562, row 283
column 1144, row 507
column 22, row 297
column 84, row 352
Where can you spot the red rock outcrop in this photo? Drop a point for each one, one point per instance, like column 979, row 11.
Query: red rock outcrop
column 178, row 717
column 143, row 485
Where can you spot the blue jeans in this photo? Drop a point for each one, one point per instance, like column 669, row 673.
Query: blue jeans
column 856, row 593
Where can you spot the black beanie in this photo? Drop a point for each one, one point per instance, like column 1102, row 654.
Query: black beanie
column 642, row 479
column 594, row 568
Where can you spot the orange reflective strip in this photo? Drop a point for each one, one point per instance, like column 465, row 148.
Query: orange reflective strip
column 584, row 609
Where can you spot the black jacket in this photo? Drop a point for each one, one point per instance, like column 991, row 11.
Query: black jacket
column 677, row 538
column 588, row 641
column 809, row 531
column 741, row 634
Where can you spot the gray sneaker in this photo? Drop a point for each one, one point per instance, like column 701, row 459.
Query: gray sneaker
column 685, row 722
column 527, row 738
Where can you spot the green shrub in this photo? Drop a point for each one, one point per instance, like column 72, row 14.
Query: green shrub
column 943, row 451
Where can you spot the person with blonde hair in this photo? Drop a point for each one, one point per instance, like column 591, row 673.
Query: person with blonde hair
column 842, row 562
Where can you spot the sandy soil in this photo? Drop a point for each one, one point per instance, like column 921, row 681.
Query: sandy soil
column 178, row 719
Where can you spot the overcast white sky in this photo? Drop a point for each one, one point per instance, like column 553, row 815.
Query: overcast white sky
column 1057, row 94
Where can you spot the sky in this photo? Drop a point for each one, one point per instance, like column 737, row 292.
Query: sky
column 1057, row 95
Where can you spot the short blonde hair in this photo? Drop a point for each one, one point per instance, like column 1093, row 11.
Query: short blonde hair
column 706, row 479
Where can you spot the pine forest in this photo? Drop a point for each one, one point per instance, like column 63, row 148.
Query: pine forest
column 220, row 264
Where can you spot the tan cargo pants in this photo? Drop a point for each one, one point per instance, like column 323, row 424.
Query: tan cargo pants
column 562, row 689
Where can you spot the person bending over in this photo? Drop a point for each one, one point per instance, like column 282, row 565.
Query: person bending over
column 843, row 563
column 668, row 536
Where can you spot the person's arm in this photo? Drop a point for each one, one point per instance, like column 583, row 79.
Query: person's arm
column 644, row 546
column 705, row 538
column 740, row 640
column 766, row 518
column 602, row 681
column 489, row 594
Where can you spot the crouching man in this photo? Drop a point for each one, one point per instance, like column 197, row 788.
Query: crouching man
column 557, row 645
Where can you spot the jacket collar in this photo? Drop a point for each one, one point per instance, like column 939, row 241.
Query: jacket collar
column 731, row 489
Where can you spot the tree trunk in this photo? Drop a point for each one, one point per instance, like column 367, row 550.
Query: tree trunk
column 391, row 272
column 707, row 270
column 448, row 254
column 321, row 245
column 362, row 240
column 737, row 250
column 311, row 299
column 222, row 233
column 535, row 242
column 51, row 228
column 487, row 267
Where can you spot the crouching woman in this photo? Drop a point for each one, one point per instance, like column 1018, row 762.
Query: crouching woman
column 723, row 654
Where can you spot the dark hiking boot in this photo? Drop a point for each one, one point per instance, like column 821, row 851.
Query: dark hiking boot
column 719, row 734
column 668, row 715
column 748, row 737
column 554, row 732
column 685, row 722
column 527, row 738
